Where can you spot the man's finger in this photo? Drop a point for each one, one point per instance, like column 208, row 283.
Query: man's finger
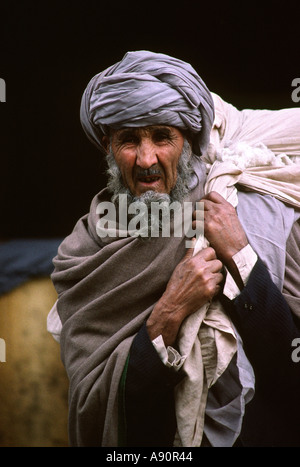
column 215, row 197
column 216, row 266
column 208, row 254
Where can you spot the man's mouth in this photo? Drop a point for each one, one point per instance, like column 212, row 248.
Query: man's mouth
column 148, row 179
column 149, row 182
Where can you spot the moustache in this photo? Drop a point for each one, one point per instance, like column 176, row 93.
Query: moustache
column 152, row 171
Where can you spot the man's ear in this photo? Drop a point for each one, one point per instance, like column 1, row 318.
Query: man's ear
column 189, row 138
column 105, row 143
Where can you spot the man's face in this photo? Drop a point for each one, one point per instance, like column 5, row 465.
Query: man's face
column 148, row 157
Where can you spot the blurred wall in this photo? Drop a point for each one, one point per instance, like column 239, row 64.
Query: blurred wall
column 33, row 383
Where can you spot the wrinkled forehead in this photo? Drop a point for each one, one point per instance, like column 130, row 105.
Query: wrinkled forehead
column 143, row 130
column 149, row 131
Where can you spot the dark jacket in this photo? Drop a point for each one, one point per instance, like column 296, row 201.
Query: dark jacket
column 267, row 328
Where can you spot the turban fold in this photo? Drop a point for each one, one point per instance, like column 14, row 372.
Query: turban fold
column 144, row 89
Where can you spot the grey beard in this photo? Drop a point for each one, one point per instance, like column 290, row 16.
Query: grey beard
column 185, row 174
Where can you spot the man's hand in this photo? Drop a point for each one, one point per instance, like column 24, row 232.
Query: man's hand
column 223, row 230
column 194, row 282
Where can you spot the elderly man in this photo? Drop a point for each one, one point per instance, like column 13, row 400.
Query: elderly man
column 128, row 305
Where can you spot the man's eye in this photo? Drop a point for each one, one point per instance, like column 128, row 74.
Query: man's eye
column 129, row 140
column 161, row 136
column 132, row 140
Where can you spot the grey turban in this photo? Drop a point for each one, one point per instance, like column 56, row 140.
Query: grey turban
column 144, row 89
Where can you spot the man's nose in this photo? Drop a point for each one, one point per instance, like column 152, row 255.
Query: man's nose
column 146, row 155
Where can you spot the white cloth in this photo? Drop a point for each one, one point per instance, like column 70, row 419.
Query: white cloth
column 256, row 150
column 278, row 130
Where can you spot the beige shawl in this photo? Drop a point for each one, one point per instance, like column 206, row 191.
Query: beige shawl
column 106, row 290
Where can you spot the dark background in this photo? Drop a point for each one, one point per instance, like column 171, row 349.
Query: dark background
column 247, row 53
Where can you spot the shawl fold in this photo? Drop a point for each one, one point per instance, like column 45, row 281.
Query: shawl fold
column 291, row 289
column 107, row 287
